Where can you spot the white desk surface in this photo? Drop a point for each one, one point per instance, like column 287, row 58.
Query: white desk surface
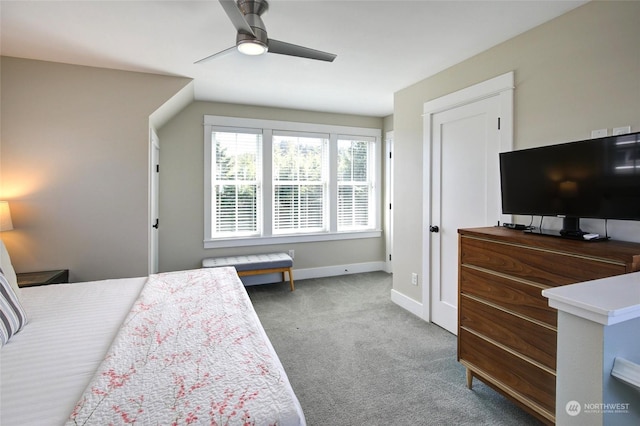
column 606, row 301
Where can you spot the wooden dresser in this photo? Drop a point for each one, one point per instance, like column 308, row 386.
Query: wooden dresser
column 506, row 330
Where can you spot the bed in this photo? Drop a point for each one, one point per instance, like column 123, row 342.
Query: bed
column 183, row 347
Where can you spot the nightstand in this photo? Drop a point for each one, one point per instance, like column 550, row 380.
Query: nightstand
column 30, row 279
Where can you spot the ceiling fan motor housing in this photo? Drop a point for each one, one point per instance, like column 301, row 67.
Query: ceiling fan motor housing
column 252, row 9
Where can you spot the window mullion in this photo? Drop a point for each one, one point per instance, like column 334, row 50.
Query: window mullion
column 332, row 190
column 267, row 182
column 375, row 169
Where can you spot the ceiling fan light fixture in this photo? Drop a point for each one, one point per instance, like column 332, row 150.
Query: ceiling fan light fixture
column 252, row 47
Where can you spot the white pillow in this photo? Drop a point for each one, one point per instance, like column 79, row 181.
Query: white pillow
column 7, row 268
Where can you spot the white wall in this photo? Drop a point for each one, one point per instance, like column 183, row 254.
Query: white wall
column 182, row 192
column 574, row 74
column 74, row 162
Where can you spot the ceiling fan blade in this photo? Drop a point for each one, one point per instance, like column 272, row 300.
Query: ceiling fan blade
column 216, row 55
column 282, row 48
column 237, row 18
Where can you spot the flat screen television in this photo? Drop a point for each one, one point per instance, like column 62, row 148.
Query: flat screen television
column 594, row 178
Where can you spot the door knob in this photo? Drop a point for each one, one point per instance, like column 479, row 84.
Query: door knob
column 434, row 229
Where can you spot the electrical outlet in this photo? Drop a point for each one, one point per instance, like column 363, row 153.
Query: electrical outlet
column 292, row 254
column 600, row 133
column 621, row 130
column 414, row 278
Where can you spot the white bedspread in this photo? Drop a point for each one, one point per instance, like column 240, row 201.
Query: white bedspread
column 46, row 366
column 191, row 351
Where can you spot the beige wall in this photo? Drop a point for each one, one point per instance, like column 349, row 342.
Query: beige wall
column 574, row 74
column 182, row 192
column 74, row 162
column 388, row 123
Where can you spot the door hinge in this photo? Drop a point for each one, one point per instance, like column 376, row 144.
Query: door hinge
column 157, row 224
column 157, row 168
column 389, row 258
column 389, row 206
column 498, row 123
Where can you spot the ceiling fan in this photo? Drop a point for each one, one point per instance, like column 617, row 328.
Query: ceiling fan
column 252, row 35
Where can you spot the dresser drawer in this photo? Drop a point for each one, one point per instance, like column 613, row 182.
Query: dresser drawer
column 522, row 377
column 522, row 336
column 525, row 299
column 540, row 266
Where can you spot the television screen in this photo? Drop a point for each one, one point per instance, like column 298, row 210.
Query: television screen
column 595, row 178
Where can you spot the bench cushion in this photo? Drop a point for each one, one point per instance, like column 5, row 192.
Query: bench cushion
column 250, row 262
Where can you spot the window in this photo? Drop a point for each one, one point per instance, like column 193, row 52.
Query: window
column 299, row 183
column 355, row 184
column 270, row 182
column 236, row 183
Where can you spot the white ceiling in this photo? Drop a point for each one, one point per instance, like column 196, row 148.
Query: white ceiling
column 382, row 46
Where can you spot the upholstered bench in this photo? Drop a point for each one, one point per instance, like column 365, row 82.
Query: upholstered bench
column 255, row 264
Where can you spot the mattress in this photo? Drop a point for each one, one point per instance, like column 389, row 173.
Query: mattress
column 52, row 360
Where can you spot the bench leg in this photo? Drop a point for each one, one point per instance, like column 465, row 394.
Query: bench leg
column 290, row 279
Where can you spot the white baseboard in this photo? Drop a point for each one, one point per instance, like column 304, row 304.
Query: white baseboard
column 407, row 303
column 332, row 271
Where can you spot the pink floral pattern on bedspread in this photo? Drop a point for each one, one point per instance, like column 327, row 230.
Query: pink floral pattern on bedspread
column 191, row 351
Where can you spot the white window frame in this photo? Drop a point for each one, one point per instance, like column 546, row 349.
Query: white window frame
column 259, row 176
column 372, row 154
column 268, row 126
column 324, row 181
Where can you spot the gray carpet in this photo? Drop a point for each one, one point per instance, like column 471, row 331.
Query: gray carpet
column 353, row 357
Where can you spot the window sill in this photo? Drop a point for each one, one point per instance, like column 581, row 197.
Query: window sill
column 288, row 239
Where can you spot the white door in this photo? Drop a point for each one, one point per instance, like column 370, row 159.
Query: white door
column 465, row 140
column 154, row 204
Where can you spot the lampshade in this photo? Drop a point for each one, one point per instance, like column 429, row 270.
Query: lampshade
column 5, row 217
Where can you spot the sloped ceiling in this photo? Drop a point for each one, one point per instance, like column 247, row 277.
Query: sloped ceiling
column 382, row 46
